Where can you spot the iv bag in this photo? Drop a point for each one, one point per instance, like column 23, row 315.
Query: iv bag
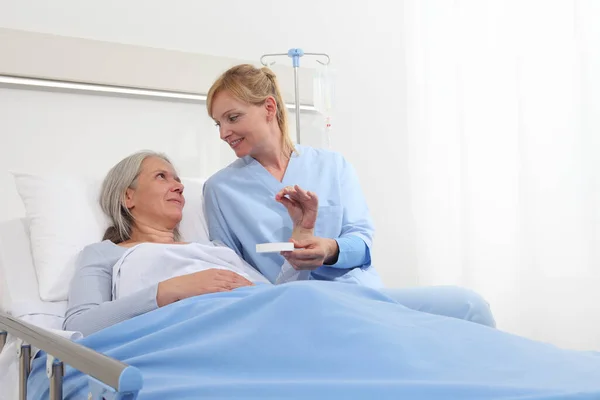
column 323, row 93
column 323, row 89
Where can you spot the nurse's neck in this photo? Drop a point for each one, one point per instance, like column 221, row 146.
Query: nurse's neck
column 274, row 161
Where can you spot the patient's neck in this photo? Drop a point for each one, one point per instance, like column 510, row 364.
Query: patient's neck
column 144, row 233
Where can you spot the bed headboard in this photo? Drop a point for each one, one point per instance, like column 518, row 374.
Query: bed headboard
column 72, row 104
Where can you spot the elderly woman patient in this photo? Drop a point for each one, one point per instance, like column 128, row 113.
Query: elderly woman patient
column 141, row 264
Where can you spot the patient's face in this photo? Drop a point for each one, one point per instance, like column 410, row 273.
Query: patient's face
column 245, row 127
column 157, row 200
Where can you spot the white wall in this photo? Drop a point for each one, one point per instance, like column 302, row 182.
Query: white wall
column 46, row 132
column 364, row 39
column 51, row 132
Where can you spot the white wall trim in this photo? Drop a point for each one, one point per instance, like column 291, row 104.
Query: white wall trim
column 61, row 86
column 52, row 62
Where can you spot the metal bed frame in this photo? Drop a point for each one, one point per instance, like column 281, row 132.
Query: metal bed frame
column 109, row 379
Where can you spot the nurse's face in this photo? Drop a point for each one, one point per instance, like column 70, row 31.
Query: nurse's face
column 246, row 128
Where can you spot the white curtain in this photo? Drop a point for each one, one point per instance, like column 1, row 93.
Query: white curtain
column 504, row 158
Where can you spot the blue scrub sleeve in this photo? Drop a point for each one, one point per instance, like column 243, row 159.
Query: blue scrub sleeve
column 217, row 226
column 356, row 236
column 353, row 253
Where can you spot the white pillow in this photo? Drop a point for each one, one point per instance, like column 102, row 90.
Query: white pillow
column 193, row 226
column 65, row 217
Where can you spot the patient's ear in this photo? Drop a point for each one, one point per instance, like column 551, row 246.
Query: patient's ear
column 129, row 203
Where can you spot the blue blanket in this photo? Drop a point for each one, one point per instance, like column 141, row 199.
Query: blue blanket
column 309, row 340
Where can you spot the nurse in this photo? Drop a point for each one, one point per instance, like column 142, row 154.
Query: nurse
column 251, row 200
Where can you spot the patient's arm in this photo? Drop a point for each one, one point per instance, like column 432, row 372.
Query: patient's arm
column 90, row 306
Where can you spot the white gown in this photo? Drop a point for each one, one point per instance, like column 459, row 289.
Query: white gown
column 147, row 264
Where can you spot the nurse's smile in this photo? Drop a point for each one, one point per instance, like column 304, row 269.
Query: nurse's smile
column 235, row 143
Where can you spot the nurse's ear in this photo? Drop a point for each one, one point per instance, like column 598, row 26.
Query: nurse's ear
column 271, row 108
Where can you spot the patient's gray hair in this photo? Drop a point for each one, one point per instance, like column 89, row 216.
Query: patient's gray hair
column 122, row 176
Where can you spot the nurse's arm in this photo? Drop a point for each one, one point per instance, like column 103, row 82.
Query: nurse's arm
column 217, row 226
column 356, row 236
column 351, row 252
column 312, row 252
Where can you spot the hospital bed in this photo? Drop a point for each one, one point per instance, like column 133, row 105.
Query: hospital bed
column 136, row 111
column 27, row 322
column 31, row 322
column 434, row 357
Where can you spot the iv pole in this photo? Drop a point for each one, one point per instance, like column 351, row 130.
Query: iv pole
column 295, row 55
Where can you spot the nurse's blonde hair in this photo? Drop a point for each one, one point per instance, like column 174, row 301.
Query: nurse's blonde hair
column 252, row 85
column 121, row 177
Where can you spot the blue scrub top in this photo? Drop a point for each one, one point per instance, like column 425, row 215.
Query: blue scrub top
column 241, row 211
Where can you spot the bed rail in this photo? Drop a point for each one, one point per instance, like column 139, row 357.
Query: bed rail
column 108, row 378
column 2, row 339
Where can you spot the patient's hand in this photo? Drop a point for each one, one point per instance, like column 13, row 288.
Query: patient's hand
column 302, row 206
column 203, row 282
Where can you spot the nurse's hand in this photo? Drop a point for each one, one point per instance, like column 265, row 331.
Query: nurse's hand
column 203, row 282
column 302, row 206
column 312, row 252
